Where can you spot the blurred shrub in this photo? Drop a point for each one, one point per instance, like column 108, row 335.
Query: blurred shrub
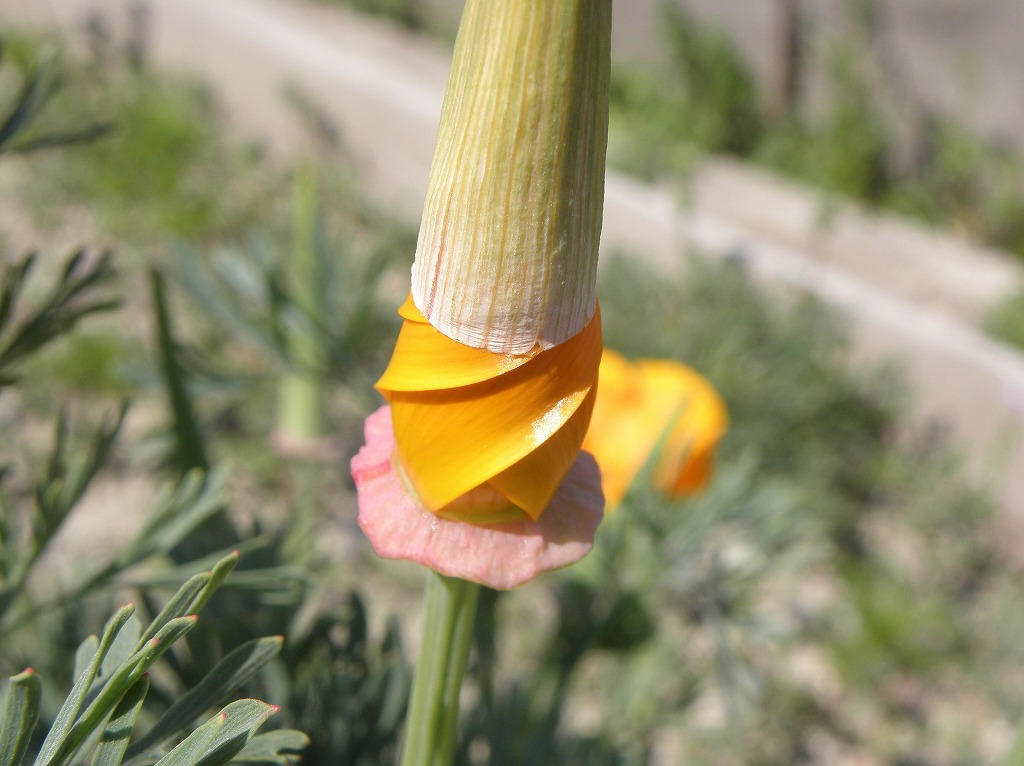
column 158, row 167
column 846, row 151
column 701, row 97
column 688, row 624
column 1006, row 319
column 91, row 362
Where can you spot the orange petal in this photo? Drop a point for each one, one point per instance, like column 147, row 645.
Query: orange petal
column 695, row 475
column 426, row 360
column 618, row 436
column 685, row 464
column 409, row 311
column 636, row 403
column 531, row 482
column 453, row 439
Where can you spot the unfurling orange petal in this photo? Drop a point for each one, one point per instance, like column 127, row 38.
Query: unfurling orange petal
column 464, row 417
column 426, row 360
column 531, row 482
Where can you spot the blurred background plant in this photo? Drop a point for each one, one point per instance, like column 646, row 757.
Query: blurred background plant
column 835, row 594
column 335, row 676
column 701, row 97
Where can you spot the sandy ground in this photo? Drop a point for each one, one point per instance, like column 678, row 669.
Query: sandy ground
column 913, row 294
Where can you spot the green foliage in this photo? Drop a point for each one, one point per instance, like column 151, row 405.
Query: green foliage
column 958, row 181
column 154, row 166
column 351, row 688
column 111, row 683
column 189, row 450
column 40, row 81
column 1015, row 755
column 896, row 629
column 19, row 718
column 346, row 687
column 254, row 297
column 759, row 353
column 1006, row 319
column 175, row 513
column 413, row 15
column 788, row 498
column 81, row 289
column 715, row 98
column 408, row 13
column 93, row 362
column 846, row 152
column 703, row 97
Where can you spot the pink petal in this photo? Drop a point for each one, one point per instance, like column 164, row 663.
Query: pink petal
column 498, row 555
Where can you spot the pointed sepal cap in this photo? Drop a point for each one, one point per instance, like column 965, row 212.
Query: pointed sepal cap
column 507, row 251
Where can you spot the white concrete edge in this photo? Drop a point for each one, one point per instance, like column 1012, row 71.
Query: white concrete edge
column 263, row 28
column 718, row 238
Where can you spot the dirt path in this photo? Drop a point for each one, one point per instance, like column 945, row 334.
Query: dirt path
column 912, row 294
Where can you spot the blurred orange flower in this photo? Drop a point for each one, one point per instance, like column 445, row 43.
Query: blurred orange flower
column 646, row 403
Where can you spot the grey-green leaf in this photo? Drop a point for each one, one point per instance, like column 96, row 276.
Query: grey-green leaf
column 242, row 719
column 180, row 605
column 63, row 723
column 273, row 747
column 177, row 511
column 220, row 571
column 114, row 740
column 124, row 646
column 20, row 713
column 84, row 654
column 117, row 686
column 190, row 750
column 227, row 676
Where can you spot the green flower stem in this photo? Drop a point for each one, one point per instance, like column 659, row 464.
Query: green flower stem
column 432, row 723
column 303, row 391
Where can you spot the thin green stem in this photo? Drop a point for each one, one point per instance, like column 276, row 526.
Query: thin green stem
column 431, row 727
column 303, row 391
